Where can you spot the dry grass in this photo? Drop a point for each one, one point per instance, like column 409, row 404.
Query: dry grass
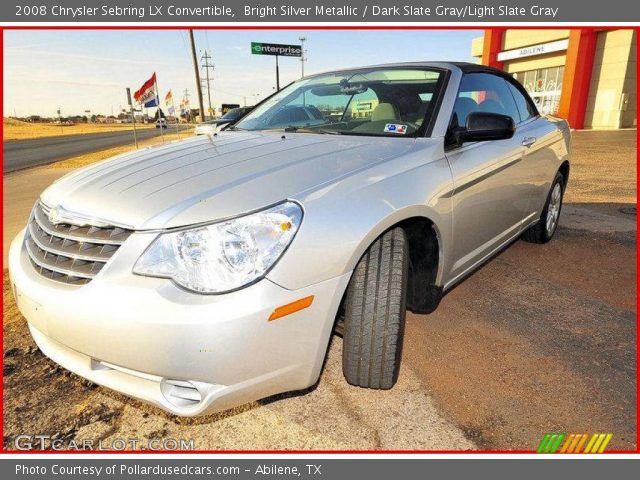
column 89, row 158
column 16, row 130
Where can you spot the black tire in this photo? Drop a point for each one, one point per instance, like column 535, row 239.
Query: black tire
column 539, row 233
column 375, row 313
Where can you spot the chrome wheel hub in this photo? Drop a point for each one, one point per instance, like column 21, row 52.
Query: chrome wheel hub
column 553, row 211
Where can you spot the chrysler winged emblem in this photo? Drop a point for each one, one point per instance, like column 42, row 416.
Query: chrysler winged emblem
column 54, row 215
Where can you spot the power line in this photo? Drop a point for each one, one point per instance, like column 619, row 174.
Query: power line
column 227, row 92
column 184, row 41
column 206, row 37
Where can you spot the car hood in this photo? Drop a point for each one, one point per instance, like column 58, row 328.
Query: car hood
column 209, row 178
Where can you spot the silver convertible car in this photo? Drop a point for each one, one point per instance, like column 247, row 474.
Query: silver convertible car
column 213, row 271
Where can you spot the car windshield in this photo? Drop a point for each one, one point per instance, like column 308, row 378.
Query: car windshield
column 373, row 102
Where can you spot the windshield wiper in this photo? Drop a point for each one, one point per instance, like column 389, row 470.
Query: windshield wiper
column 295, row 129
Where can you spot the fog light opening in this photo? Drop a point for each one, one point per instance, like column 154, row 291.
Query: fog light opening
column 181, row 393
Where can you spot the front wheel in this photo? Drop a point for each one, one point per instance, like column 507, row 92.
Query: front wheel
column 375, row 313
column 543, row 231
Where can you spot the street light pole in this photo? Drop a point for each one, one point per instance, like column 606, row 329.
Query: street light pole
column 133, row 117
column 302, row 56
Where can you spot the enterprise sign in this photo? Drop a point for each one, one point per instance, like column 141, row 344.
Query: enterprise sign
column 541, row 49
column 276, row 49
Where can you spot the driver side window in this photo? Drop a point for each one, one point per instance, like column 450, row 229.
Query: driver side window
column 483, row 92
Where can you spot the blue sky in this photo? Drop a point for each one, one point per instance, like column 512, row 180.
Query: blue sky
column 89, row 70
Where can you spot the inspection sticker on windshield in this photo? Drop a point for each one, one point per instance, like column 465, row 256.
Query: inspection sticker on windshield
column 395, row 128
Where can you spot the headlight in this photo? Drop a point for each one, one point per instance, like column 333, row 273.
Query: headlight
column 222, row 256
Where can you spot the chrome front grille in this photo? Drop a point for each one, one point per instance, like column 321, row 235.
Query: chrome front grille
column 70, row 253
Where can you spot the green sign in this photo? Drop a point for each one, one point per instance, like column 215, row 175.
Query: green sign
column 258, row 48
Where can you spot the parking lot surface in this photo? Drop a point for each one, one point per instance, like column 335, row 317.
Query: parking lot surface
column 541, row 339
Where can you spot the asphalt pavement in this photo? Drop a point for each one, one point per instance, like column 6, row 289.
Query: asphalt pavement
column 21, row 154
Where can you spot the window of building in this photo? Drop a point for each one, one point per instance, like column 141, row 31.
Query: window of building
column 544, row 86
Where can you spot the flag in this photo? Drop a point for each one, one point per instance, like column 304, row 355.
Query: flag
column 147, row 95
column 168, row 101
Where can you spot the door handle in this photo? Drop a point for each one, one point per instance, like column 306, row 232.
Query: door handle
column 528, row 141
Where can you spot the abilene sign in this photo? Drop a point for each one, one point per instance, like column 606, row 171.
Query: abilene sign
column 541, row 49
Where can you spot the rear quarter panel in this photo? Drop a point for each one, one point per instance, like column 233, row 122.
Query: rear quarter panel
column 546, row 156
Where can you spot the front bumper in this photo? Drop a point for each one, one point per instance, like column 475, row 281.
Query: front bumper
column 188, row 354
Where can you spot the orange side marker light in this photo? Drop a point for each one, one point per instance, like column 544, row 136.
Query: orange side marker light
column 292, row 307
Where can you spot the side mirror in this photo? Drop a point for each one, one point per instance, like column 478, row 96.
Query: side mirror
column 482, row 126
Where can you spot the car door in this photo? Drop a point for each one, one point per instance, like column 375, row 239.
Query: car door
column 544, row 144
column 490, row 197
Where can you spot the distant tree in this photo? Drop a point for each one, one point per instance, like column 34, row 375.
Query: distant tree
column 159, row 114
column 93, row 118
column 85, row 119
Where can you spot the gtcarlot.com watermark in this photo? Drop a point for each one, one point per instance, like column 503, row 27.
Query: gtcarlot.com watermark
column 47, row 442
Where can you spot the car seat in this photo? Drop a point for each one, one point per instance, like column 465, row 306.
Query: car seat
column 385, row 111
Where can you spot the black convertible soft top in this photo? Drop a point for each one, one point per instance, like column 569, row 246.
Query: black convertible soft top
column 467, row 67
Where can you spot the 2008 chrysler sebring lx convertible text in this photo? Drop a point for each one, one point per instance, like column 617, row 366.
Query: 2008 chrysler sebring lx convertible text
column 210, row 272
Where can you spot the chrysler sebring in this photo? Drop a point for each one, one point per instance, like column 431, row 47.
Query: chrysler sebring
column 213, row 271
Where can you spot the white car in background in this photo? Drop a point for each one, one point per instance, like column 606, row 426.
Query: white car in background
column 213, row 126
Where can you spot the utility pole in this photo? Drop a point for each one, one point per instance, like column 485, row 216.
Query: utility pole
column 197, row 73
column 206, row 65
column 303, row 58
column 185, row 98
column 203, row 83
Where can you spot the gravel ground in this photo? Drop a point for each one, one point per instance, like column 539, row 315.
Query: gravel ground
column 540, row 339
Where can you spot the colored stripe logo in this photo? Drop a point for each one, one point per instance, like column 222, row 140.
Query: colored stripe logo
column 574, row 443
